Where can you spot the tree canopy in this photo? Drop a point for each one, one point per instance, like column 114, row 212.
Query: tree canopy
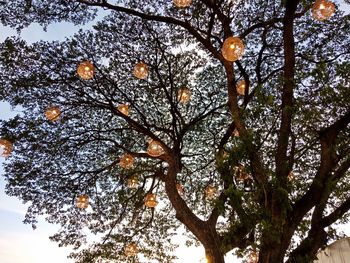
column 262, row 168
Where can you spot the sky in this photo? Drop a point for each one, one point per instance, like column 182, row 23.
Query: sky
column 19, row 243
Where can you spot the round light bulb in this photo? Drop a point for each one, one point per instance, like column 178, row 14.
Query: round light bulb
column 232, row 49
column 184, row 95
column 86, row 70
column 155, row 149
column 182, row 3
column 6, row 148
column 141, row 70
column 53, row 113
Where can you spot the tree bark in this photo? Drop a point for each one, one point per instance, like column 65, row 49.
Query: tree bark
column 214, row 255
column 204, row 231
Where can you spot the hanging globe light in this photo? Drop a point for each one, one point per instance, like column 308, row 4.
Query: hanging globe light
column 225, row 154
column 322, row 9
column 131, row 250
column 6, row 148
column 133, row 182
column 241, row 86
column 53, row 113
column 240, row 173
column 124, row 109
column 141, row 70
column 232, row 49
column 82, row 201
column 235, row 133
column 182, row 3
column 150, row 200
column 86, row 70
column 253, row 257
column 210, row 192
column 154, row 148
column 291, row 176
column 180, row 189
column 184, row 95
column 126, row 161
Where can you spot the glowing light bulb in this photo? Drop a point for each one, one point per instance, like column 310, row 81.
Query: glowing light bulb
column 182, row 3
column 82, row 202
column 253, row 257
column 232, row 49
column 133, row 182
column 241, row 86
column 180, row 189
column 126, row 161
column 141, row 70
column 184, row 95
column 291, row 176
column 210, row 192
column 151, row 200
column 131, row 250
column 86, row 70
column 6, row 148
column 53, row 113
column 154, row 148
column 235, row 133
column 322, row 9
column 124, row 109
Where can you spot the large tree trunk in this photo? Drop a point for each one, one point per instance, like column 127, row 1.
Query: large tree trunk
column 275, row 244
column 212, row 245
column 272, row 255
column 214, row 255
column 204, row 231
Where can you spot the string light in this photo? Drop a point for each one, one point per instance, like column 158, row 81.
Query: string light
column 126, row 161
column 150, row 200
column 322, row 9
column 82, row 202
column 232, row 49
column 53, row 113
column 86, row 70
column 141, row 70
column 6, row 148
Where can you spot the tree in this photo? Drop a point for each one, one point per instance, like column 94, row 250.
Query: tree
column 277, row 153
